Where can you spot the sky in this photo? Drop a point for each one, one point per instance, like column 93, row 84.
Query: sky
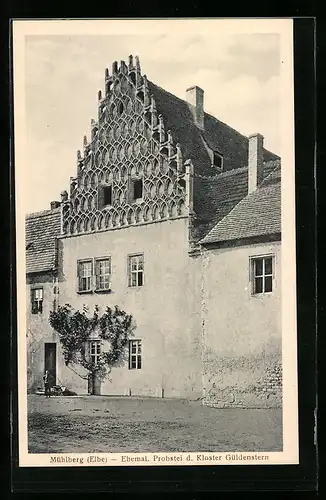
column 240, row 75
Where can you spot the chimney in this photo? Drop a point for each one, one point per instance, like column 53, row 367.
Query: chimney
column 54, row 204
column 255, row 161
column 195, row 98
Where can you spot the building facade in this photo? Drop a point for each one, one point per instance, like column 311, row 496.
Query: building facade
column 172, row 215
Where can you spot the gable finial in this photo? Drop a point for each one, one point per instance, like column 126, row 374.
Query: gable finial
column 123, row 67
column 138, row 71
column 161, row 128
column 114, row 67
column 170, row 144
column 131, row 61
column 179, row 157
column 154, row 112
column 146, row 91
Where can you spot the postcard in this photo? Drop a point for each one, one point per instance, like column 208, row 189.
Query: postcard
column 156, row 262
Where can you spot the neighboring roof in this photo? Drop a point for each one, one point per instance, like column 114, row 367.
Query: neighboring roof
column 215, row 197
column 42, row 228
column 216, row 134
column 257, row 214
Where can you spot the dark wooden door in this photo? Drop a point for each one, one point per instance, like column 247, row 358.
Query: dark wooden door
column 50, row 361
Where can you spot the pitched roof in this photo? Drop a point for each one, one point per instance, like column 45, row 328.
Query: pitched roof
column 193, row 141
column 42, row 228
column 215, row 197
column 257, row 214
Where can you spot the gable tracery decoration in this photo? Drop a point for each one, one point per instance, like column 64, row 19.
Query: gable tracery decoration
column 128, row 143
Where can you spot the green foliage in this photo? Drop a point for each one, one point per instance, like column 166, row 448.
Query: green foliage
column 74, row 328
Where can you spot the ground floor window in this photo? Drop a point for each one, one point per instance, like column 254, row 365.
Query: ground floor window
column 95, row 351
column 37, row 300
column 135, row 355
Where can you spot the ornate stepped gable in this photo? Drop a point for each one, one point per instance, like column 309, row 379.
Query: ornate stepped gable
column 129, row 143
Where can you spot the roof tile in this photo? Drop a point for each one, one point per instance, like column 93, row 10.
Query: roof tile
column 257, row 214
column 42, row 229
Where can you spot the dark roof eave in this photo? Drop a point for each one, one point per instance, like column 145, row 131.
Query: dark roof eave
column 50, row 270
column 249, row 240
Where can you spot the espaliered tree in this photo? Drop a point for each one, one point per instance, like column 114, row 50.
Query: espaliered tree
column 75, row 329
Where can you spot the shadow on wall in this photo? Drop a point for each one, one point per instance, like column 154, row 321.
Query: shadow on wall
column 244, row 381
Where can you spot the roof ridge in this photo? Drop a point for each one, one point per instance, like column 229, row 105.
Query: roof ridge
column 226, row 125
column 167, row 92
column 205, row 112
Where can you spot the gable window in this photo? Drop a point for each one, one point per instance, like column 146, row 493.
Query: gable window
column 37, row 300
column 85, row 271
column 95, row 351
column 120, row 109
column 105, row 196
column 135, row 354
column 137, row 189
column 262, row 273
column 217, row 159
column 136, row 270
column 103, row 274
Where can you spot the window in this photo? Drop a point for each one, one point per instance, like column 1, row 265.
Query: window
column 217, row 160
column 85, row 272
column 95, row 351
column 103, row 274
column 136, row 270
column 137, row 189
column 134, row 354
column 262, row 271
column 37, row 300
column 107, row 195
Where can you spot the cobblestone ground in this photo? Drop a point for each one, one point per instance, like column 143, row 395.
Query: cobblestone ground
column 93, row 424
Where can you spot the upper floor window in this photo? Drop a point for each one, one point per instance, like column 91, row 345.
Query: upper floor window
column 217, row 159
column 85, row 272
column 136, row 270
column 103, row 274
column 262, row 273
column 105, row 196
column 135, row 355
column 137, row 189
column 37, row 300
column 95, row 351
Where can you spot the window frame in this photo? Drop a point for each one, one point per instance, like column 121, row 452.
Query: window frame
column 98, row 350
column 97, row 260
column 101, row 188
column 38, row 310
column 79, row 277
column 219, row 155
column 93, row 277
column 137, row 356
column 133, row 179
column 253, row 277
column 131, row 272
